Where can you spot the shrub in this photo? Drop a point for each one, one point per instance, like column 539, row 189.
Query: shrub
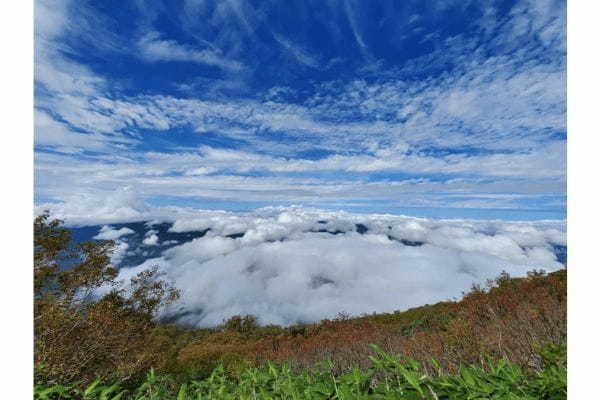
column 80, row 335
column 510, row 318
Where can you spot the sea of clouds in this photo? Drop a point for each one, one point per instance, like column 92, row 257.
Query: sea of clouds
column 287, row 265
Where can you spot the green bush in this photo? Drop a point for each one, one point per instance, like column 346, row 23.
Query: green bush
column 389, row 377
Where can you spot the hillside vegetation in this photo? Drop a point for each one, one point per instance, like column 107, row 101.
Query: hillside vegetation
column 504, row 340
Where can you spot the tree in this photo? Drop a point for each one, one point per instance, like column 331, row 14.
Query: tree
column 79, row 334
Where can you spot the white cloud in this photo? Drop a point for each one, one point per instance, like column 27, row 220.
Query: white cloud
column 297, row 52
column 151, row 240
column 59, row 135
column 119, row 252
column 121, row 205
column 285, row 271
column 349, row 9
column 201, row 249
column 153, row 48
column 84, row 184
column 52, row 69
column 200, row 171
column 109, row 233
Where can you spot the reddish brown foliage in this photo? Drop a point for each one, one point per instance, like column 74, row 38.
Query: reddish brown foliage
column 510, row 320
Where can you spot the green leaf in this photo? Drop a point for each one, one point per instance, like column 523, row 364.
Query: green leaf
column 182, row 392
column 91, row 388
column 468, row 378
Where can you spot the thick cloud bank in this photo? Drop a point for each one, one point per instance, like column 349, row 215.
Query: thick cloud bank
column 288, row 265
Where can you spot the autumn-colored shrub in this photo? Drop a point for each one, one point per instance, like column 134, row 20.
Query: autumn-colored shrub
column 514, row 317
column 205, row 354
column 80, row 335
column 510, row 319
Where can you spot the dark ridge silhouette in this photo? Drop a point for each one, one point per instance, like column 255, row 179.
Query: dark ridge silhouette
column 318, row 281
column 236, row 235
column 406, row 242
column 362, row 229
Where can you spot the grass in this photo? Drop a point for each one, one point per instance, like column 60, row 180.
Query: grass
column 388, row 377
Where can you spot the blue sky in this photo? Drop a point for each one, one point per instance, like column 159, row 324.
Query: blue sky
column 448, row 108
